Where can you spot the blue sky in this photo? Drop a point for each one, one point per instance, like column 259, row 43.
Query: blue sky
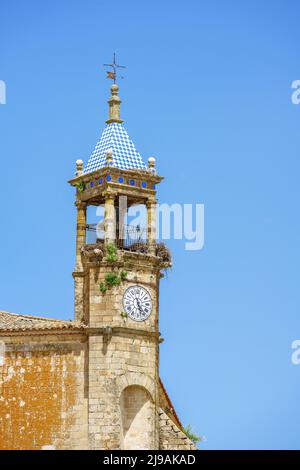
column 208, row 92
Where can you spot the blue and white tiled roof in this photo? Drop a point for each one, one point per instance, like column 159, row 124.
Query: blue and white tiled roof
column 125, row 155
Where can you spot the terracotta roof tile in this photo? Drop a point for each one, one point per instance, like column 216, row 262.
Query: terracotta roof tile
column 15, row 322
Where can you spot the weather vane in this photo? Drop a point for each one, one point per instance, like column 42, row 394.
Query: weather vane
column 114, row 66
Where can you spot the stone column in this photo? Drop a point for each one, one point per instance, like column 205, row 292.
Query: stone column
column 109, row 218
column 78, row 274
column 80, row 232
column 122, row 217
column 151, row 224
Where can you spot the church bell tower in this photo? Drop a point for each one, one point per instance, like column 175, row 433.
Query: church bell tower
column 117, row 274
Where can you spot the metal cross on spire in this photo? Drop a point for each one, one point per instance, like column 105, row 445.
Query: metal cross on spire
column 114, row 66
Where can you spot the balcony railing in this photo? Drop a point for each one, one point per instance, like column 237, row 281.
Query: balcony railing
column 127, row 236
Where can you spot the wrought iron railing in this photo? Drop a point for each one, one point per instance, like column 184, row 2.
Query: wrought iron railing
column 127, row 236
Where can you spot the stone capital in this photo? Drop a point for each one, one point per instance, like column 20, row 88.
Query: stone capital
column 109, row 194
column 151, row 202
column 80, row 205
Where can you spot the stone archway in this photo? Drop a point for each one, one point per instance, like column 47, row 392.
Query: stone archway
column 137, row 418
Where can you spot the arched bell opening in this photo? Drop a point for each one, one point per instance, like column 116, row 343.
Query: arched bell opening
column 130, row 224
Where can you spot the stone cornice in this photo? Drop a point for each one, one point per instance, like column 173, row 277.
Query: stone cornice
column 116, row 171
column 142, row 261
column 121, row 331
column 84, row 332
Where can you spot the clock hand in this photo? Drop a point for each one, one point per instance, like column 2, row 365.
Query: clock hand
column 139, row 305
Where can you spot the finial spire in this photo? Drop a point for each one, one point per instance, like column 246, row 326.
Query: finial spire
column 114, row 103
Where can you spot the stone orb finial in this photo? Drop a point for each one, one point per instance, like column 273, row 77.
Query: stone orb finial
column 151, row 165
column 114, row 89
column 79, row 167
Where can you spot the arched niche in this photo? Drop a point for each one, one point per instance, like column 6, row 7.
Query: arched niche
column 137, row 418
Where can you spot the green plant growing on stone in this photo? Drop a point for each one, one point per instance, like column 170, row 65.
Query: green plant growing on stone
column 192, row 436
column 124, row 315
column 80, row 186
column 123, row 275
column 111, row 253
column 103, row 287
column 112, row 279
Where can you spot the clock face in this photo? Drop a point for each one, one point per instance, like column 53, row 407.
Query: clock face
column 137, row 303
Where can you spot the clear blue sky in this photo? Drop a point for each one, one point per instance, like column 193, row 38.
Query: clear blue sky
column 207, row 91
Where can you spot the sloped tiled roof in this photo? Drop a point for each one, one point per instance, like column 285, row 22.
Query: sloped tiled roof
column 15, row 322
column 125, row 155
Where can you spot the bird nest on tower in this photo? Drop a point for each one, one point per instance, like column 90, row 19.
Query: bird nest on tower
column 97, row 250
column 161, row 250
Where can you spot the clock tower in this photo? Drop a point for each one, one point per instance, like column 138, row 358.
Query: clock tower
column 117, row 275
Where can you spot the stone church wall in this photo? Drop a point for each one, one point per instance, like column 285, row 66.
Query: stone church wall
column 43, row 396
column 55, row 394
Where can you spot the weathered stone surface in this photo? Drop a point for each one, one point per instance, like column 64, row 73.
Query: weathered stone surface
column 93, row 383
column 171, row 437
column 43, row 399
